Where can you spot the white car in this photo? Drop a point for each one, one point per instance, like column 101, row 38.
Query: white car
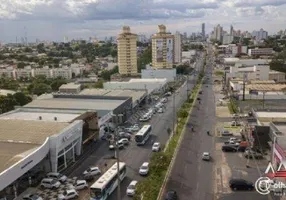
column 160, row 110
column 144, row 119
column 144, row 169
column 135, row 127
column 131, row 188
column 92, row 171
column 50, row 183
column 60, row 177
column 79, row 185
column 156, row 146
column 68, row 194
column 32, row 197
column 206, row 156
column 124, row 141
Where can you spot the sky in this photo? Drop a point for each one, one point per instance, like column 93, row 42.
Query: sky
column 81, row 19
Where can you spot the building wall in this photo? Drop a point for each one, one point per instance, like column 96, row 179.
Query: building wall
column 260, row 51
column 178, row 48
column 127, row 53
column 20, row 168
column 277, row 76
column 162, row 49
column 71, row 135
column 169, row 74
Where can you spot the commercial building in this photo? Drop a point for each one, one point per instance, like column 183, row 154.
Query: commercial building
column 70, row 88
column 162, row 49
column 261, row 90
column 127, row 52
column 36, row 147
column 260, row 52
column 137, row 96
column 149, row 85
column 260, row 35
column 150, row 73
column 278, row 77
column 103, row 106
column 256, row 72
column 178, row 48
column 245, row 62
column 237, row 50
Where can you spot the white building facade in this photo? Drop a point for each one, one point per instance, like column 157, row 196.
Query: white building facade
column 178, row 48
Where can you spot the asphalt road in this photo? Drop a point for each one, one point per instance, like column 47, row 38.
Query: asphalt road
column 134, row 156
column 191, row 177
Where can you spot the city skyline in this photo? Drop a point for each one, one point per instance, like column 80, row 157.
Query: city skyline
column 54, row 19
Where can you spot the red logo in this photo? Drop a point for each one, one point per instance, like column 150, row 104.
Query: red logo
column 270, row 172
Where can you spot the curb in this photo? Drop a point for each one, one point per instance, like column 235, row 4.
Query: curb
column 176, row 150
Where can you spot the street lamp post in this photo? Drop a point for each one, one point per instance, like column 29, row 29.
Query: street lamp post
column 117, row 119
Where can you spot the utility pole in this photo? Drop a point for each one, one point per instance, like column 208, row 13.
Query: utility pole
column 174, row 111
column 244, row 80
column 117, row 119
column 263, row 100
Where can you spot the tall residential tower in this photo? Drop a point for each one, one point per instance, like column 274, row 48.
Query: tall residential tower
column 162, row 49
column 127, row 52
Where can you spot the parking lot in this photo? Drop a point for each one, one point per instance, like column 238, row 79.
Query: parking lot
column 233, row 164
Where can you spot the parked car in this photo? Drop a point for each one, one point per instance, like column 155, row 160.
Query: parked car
column 240, row 184
column 206, row 156
column 144, row 119
column 160, row 110
column 226, row 133
column 50, row 183
column 144, row 169
column 32, row 197
column 79, row 185
column 68, row 194
column 156, row 147
column 130, row 191
column 124, row 135
column 60, row 177
column 171, row 195
column 92, row 171
column 229, row 148
column 88, row 177
column 134, row 128
column 119, row 143
column 125, row 141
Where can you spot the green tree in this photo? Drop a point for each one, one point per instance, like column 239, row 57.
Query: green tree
column 106, row 74
column 21, row 98
column 41, row 88
column 183, row 69
column 7, row 103
column 99, row 84
column 144, row 59
column 21, row 65
column 41, row 48
column 56, row 84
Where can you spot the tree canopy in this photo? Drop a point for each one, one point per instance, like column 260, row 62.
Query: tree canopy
column 144, row 59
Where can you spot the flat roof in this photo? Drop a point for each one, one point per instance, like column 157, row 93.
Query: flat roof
column 18, row 138
column 75, row 103
column 45, row 116
column 271, row 114
column 70, row 86
column 150, row 80
column 266, row 87
column 10, row 153
column 136, row 95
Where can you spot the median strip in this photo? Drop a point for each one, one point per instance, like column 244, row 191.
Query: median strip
column 161, row 163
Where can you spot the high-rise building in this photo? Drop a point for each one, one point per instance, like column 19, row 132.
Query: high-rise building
column 127, row 52
column 203, row 31
column 178, row 48
column 218, row 33
column 260, row 35
column 162, row 48
column 231, row 30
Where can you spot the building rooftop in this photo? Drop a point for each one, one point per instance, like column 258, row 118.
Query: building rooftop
column 70, row 86
column 20, row 137
column 266, row 87
column 136, row 95
column 275, row 72
column 150, row 80
column 75, row 103
column 35, row 115
column 6, row 92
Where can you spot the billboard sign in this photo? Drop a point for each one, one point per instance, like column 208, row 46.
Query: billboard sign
column 170, row 51
column 159, row 52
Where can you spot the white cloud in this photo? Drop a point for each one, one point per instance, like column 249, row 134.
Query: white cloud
column 52, row 19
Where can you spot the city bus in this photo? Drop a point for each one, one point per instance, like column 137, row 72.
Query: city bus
column 106, row 184
column 143, row 135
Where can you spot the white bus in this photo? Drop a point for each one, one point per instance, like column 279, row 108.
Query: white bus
column 107, row 183
column 143, row 135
